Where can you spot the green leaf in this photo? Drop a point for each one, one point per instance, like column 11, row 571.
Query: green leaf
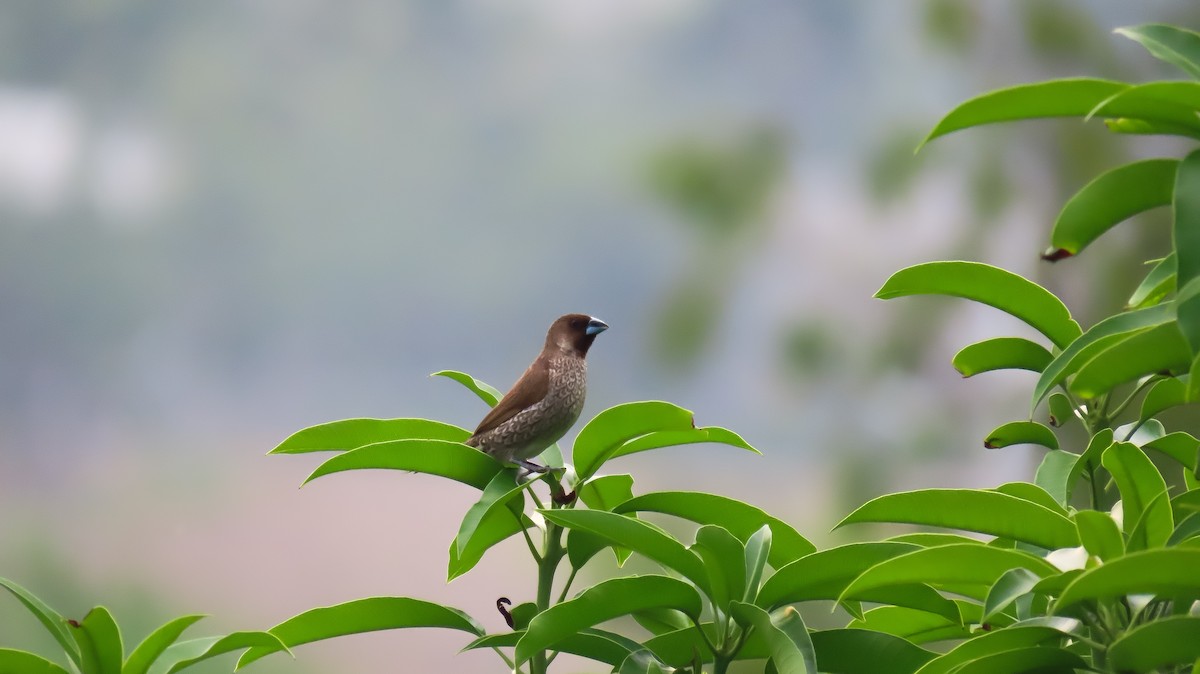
column 1097, row 338
column 362, row 615
column 1056, row 98
column 1009, row 587
column 1144, row 127
column 594, row 644
column 187, row 653
column 1054, row 475
column 1159, row 283
column 1162, row 571
column 1159, row 349
column 1187, row 502
column 486, row 393
column 433, row 457
column 724, row 558
column 1100, row 535
column 338, row 436
column 1032, row 493
column 948, row 564
column 825, row 574
column 1180, row 446
column 932, row 539
column 991, row 643
column 54, row 623
column 1140, row 484
column 605, row 601
column 851, row 651
column 1109, row 199
column 1035, row 660
column 691, row 436
column 153, row 646
column 1170, row 104
column 916, row 626
column 1021, row 433
column 607, row 492
column 989, row 285
column 1061, row 411
column 1001, row 353
column 981, row 511
column 644, row 539
column 604, row 435
column 740, row 519
column 1186, row 231
column 1188, row 527
column 758, row 550
column 786, row 636
column 1157, row 645
column 662, row 620
column 21, row 662
column 99, row 641
column 496, row 526
column 1178, row 46
column 1163, row 395
column 503, row 492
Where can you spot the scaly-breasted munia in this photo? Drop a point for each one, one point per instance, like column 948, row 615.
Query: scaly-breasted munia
column 546, row 401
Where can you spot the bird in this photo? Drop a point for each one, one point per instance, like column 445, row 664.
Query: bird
column 546, row 401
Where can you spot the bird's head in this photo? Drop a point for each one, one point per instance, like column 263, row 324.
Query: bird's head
column 574, row 333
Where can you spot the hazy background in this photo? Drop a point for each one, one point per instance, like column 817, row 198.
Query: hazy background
column 222, row 222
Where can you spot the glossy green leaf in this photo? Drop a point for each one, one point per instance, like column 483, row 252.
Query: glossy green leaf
column 1034, row 660
column 1097, row 338
column 1140, row 484
column 1021, row 433
column 1061, row 411
column 991, row 643
column 662, row 620
column 605, row 601
column 1162, row 571
column 1178, row 46
column 1100, row 535
column 981, row 511
column 989, row 285
column 497, row 526
column 918, row 627
column 595, row 644
column 153, row 646
column 1187, row 217
column 1009, row 587
column 825, row 574
column 1159, row 349
column 948, row 564
column 21, row 662
column 1170, row 103
column 1188, row 527
column 787, row 637
column 54, row 623
column 1159, row 283
column 339, row 436
column 502, row 492
column 641, row 537
column 724, row 558
column 932, row 539
column 187, row 653
column 853, row 651
column 691, row 436
column 740, row 519
column 1054, row 475
column 1180, row 446
column 607, row 492
column 433, row 457
column 1163, row 395
column 604, row 435
column 1056, row 98
column 758, row 551
column 1001, row 353
column 1145, row 127
column 1110, row 199
column 362, row 615
column 99, row 641
column 1157, row 645
column 488, row 394
column 1187, row 502
column 1032, row 493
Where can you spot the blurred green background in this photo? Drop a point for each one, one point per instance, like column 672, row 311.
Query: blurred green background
column 221, row 222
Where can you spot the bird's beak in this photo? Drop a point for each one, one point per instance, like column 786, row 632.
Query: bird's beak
column 596, row 326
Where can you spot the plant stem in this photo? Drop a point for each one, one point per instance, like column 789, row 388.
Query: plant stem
column 1125, row 403
column 552, row 553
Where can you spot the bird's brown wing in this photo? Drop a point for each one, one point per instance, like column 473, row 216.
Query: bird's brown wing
column 528, row 391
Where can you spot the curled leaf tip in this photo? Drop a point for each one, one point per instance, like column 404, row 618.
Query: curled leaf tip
column 987, row 444
column 1056, row 254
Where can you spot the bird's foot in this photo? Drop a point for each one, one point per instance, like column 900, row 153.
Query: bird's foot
column 531, row 467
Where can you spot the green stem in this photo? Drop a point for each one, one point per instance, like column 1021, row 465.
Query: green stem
column 1125, row 403
column 552, row 554
column 567, row 586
